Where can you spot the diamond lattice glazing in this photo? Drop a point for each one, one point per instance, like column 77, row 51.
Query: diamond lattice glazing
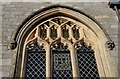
column 36, row 64
column 62, row 65
column 87, row 65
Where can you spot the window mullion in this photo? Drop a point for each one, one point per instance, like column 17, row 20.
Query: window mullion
column 73, row 61
column 48, row 62
column 59, row 31
column 48, row 32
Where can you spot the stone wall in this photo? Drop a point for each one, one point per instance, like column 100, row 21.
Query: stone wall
column 0, row 40
column 14, row 13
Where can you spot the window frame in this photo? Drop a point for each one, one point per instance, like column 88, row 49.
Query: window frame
column 71, row 46
column 98, row 42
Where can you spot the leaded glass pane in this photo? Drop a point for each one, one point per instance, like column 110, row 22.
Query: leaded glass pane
column 53, row 32
column 61, row 61
column 61, row 64
column 75, row 32
column 86, row 62
column 43, row 31
column 57, row 74
column 36, row 62
column 65, row 32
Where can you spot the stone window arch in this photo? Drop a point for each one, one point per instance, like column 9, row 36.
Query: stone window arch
column 57, row 26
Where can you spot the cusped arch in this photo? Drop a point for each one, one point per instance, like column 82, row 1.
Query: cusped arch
column 91, row 30
column 58, row 10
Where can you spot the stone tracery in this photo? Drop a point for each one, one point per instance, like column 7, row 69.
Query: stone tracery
column 60, row 32
column 58, row 27
column 75, row 19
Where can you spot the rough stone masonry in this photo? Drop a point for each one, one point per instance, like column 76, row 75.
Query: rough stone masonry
column 14, row 13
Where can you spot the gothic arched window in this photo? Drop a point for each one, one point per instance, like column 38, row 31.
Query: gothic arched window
column 61, row 42
column 60, row 34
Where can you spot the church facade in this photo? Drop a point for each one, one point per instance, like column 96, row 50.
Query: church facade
column 71, row 39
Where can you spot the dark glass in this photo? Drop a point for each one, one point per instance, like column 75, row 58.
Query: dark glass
column 75, row 33
column 43, row 32
column 61, row 62
column 36, row 62
column 86, row 62
column 53, row 32
column 65, row 32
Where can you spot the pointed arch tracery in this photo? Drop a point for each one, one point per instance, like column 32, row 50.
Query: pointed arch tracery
column 60, row 35
column 64, row 30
